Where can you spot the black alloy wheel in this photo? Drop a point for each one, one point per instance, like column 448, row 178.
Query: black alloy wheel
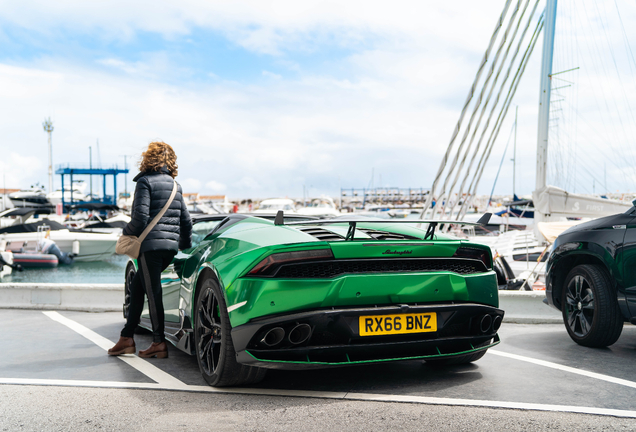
column 579, row 304
column 213, row 341
column 130, row 274
column 590, row 308
column 210, row 332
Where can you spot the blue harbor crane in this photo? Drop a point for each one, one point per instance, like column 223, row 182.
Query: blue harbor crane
column 104, row 172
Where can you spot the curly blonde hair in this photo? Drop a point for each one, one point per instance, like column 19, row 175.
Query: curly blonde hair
column 156, row 156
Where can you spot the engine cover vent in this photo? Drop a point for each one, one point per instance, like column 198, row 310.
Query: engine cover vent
column 322, row 234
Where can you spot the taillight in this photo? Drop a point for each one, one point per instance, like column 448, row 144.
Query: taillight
column 270, row 263
column 474, row 253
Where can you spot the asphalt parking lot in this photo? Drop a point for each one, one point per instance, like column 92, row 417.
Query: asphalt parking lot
column 536, row 369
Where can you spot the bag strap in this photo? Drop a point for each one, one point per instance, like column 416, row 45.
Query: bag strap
column 154, row 221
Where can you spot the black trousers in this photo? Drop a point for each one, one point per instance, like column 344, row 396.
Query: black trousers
column 147, row 281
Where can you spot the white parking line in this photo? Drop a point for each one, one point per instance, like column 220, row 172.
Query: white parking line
column 569, row 369
column 366, row 397
column 151, row 371
column 490, row 404
column 188, row 388
column 165, row 381
column 79, row 383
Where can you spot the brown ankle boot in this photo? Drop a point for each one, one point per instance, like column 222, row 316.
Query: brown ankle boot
column 157, row 349
column 125, row 345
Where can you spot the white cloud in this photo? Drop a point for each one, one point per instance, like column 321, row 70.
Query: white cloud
column 190, row 185
column 249, row 183
column 119, row 64
column 271, row 75
column 264, row 27
column 155, row 65
column 408, row 69
column 16, row 168
column 215, row 186
column 263, row 140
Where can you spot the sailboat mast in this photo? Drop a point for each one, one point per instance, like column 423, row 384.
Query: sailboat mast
column 514, row 156
column 544, row 102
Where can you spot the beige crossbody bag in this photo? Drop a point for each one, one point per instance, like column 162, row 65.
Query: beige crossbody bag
column 129, row 245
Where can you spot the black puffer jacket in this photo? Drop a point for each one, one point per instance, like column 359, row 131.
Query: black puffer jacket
column 174, row 229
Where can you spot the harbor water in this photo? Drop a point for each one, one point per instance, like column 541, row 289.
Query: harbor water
column 98, row 272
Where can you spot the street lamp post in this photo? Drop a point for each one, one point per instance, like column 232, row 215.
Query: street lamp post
column 48, row 128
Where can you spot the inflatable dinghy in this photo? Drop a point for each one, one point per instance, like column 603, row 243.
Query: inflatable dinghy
column 28, row 260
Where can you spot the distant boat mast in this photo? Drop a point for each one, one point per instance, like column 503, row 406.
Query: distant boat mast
column 48, row 128
column 544, row 98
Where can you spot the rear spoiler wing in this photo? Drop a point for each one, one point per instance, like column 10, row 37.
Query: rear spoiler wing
column 353, row 220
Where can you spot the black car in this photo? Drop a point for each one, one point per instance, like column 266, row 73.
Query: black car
column 591, row 278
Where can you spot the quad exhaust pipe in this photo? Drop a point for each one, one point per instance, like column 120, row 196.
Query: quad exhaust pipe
column 273, row 337
column 299, row 334
column 496, row 323
column 485, row 324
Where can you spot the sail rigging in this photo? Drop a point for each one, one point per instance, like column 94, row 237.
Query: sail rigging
column 563, row 162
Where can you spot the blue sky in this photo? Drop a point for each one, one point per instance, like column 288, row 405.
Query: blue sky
column 262, row 98
column 199, row 57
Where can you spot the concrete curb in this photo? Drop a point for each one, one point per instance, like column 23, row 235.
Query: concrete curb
column 56, row 296
column 527, row 307
column 521, row 307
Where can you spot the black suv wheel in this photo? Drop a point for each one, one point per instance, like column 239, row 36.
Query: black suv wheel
column 590, row 310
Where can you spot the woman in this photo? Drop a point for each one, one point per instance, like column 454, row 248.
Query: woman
column 172, row 232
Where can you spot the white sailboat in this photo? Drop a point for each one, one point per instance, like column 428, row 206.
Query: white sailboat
column 552, row 203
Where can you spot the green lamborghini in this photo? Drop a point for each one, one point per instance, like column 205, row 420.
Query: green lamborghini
column 261, row 292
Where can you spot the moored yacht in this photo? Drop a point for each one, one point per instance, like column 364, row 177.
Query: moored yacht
column 75, row 194
column 275, row 204
column 87, row 246
column 34, row 197
column 323, row 206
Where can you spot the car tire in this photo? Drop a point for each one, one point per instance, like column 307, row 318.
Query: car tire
column 213, row 341
column 130, row 274
column 590, row 308
column 499, row 271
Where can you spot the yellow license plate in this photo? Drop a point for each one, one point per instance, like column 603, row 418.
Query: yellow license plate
column 375, row 325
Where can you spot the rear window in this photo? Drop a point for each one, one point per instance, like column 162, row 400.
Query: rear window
column 201, row 229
